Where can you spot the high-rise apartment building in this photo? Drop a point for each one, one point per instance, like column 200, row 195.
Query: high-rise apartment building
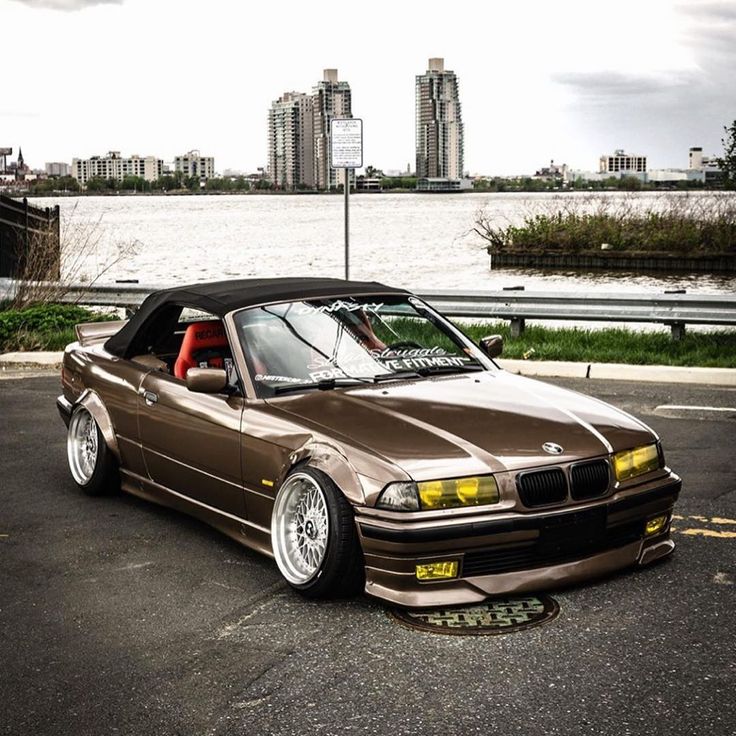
column 291, row 141
column 194, row 166
column 299, row 134
column 332, row 99
column 439, row 123
column 114, row 166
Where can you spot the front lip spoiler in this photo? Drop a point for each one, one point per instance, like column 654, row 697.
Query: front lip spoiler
column 65, row 409
column 483, row 528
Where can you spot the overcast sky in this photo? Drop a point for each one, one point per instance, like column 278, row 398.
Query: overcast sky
column 550, row 79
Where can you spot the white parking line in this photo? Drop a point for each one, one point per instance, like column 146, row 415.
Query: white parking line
column 682, row 407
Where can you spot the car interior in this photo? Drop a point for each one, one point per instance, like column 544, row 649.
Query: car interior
column 178, row 338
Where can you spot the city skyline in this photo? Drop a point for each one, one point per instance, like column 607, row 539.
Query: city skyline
column 570, row 84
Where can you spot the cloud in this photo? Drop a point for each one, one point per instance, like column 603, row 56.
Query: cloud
column 710, row 11
column 612, row 84
column 69, row 5
column 712, row 35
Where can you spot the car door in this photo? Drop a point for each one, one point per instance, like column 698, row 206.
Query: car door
column 191, row 441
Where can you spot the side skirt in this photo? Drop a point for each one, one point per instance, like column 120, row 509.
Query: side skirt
column 241, row 530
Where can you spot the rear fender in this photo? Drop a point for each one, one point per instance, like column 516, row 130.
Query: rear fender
column 333, row 463
column 93, row 404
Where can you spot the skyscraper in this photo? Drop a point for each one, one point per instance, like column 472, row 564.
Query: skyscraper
column 291, row 141
column 439, row 124
column 299, row 134
column 331, row 99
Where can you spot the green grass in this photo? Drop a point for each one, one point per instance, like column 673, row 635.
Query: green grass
column 707, row 349
column 42, row 326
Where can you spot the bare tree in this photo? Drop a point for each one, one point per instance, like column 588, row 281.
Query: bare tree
column 47, row 268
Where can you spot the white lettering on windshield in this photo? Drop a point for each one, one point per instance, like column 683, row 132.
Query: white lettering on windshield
column 408, row 352
column 340, row 305
column 271, row 378
column 403, row 364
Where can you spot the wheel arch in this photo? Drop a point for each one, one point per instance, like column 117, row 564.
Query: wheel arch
column 92, row 402
column 333, row 463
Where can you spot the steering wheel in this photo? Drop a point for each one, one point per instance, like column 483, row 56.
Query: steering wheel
column 404, row 344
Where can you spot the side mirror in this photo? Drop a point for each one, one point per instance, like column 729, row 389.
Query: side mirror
column 207, row 380
column 492, row 345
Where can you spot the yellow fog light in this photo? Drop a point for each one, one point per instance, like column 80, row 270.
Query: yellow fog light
column 654, row 526
column 437, row 570
column 630, row 463
column 445, row 494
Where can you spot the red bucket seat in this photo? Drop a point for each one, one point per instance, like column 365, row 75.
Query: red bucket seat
column 204, row 345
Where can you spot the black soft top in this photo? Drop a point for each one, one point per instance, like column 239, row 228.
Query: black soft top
column 221, row 297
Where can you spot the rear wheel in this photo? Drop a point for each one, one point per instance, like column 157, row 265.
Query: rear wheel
column 313, row 536
column 90, row 461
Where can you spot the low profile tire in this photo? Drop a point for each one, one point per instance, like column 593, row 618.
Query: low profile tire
column 90, row 461
column 314, row 539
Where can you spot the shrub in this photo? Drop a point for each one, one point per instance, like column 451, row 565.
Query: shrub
column 669, row 224
column 44, row 326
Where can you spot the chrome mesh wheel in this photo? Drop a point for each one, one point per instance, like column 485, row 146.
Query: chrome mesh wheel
column 300, row 528
column 82, row 446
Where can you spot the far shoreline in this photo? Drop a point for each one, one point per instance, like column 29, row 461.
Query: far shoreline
column 19, row 194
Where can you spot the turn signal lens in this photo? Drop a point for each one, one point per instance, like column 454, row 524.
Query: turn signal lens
column 655, row 526
column 630, row 463
column 445, row 494
column 400, row 496
column 443, row 570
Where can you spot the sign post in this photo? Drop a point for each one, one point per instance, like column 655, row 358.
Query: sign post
column 346, row 153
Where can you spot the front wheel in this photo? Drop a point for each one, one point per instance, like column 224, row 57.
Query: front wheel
column 90, row 461
column 313, row 536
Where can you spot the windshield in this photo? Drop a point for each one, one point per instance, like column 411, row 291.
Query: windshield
column 323, row 343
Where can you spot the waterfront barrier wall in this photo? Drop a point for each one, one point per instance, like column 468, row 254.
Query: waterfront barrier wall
column 20, row 223
column 607, row 260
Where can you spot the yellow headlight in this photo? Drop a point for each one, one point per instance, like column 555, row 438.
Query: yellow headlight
column 445, row 494
column 630, row 463
column 467, row 490
column 437, row 570
column 431, row 493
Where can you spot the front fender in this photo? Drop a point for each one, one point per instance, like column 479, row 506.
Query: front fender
column 92, row 402
column 332, row 462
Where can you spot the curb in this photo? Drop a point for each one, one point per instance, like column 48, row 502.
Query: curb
column 534, row 368
column 622, row 372
column 38, row 359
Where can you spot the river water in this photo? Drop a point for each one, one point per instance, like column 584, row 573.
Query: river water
column 410, row 240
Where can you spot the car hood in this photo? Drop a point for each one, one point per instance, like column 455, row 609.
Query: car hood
column 456, row 425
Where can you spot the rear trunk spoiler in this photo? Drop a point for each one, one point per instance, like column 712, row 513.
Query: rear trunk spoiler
column 90, row 333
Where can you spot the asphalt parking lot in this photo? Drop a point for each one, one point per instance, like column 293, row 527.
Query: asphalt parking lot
column 120, row 617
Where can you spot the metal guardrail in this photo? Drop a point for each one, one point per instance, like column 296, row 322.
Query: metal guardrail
column 676, row 309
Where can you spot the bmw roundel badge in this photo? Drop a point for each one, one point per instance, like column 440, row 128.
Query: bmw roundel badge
column 552, row 448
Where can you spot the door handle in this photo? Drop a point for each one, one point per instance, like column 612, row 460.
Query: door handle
column 150, row 398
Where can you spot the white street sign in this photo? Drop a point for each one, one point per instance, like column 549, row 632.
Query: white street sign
column 346, row 143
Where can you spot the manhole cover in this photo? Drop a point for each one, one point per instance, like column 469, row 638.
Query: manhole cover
column 498, row 616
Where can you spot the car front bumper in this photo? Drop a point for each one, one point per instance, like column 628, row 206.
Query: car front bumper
column 515, row 552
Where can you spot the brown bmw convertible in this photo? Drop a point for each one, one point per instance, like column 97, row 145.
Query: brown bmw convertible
column 353, row 433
